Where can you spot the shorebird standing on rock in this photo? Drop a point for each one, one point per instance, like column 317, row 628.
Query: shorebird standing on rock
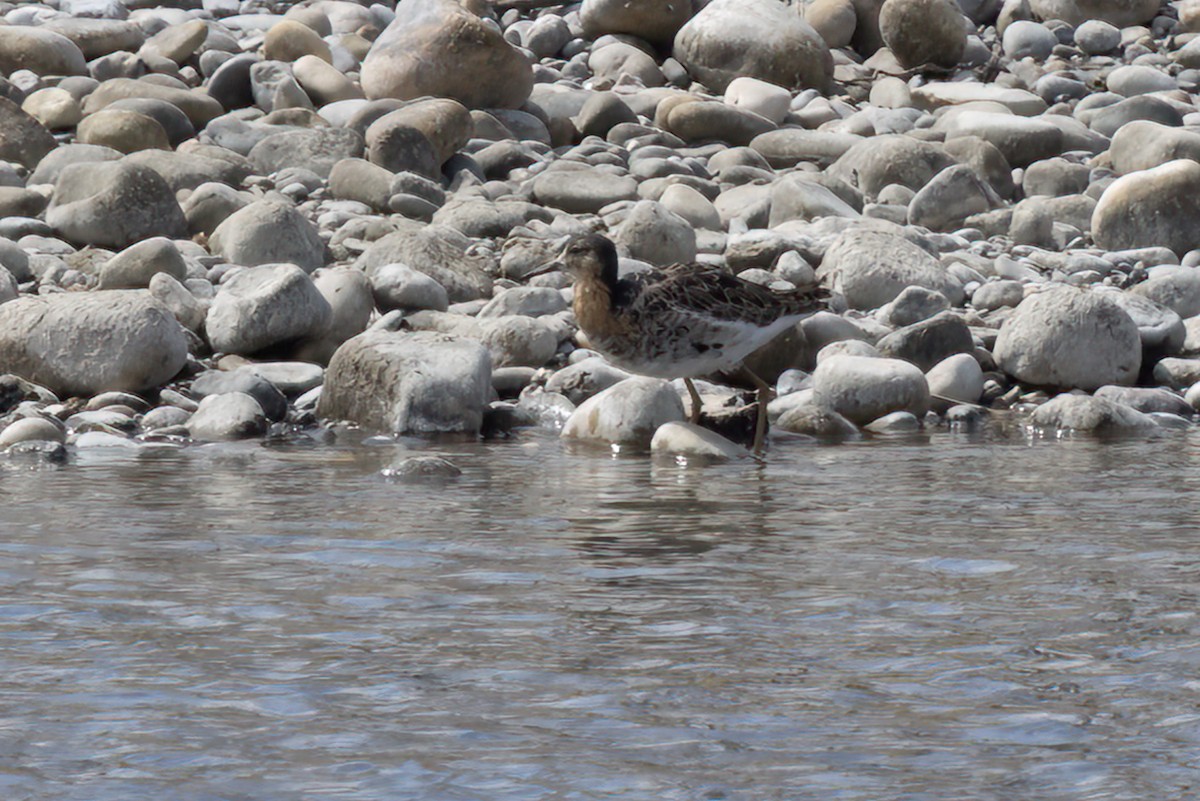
column 682, row 321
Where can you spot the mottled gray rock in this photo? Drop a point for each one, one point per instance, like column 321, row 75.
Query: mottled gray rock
column 998, row 294
column 446, row 123
column 1142, row 144
column 799, row 197
column 928, row 342
column 42, row 51
column 530, row 301
column 56, row 109
column 712, row 121
column 84, row 343
column 1097, row 37
column 547, row 36
column 123, row 130
column 398, row 286
column 1022, row 140
column 956, row 378
column 134, row 267
column 268, row 232
column 8, row 286
column 1026, row 39
column 1122, row 13
column 198, row 106
column 922, row 32
column 1147, row 400
column 863, row 389
column 263, row 307
column 55, row 161
column 275, row 88
column 875, row 162
column 23, row 139
column 835, row 20
column 950, row 197
column 440, row 253
column 811, row 420
column 164, row 417
column 894, row 423
column 423, row 52
column 195, row 167
column 95, row 37
column 582, row 191
column 1160, row 328
column 30, row 429
column 616, row 58
column 113, row 204
column 245, row 380
column 1069, row 338
column 627, row 413
column 408, row 383
column 1177, row 373
column 422, row 468
column 787, row 147
column 871, row 268
column 692, row 206
column 1177, row 290
column 761, row 39
column 1139, row 79
column 174, row 122
column 189, row 310
column 765, row 99
column 1086, row 414
column 689, row 441
column 478, row 218
column 913, row 305
column 323, row 82
column 655, row 21
column 211, row 204
column 585, row 378
column 316, row 149
column 231, row 416
column 359, row 179
column 1109, row 119
column 289, row 40
column 15, row 261
column 1159, row 206
column 518, row 341
column 348, row 293
column 652, row 234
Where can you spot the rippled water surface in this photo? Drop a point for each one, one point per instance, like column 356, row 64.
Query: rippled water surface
column 931, row 618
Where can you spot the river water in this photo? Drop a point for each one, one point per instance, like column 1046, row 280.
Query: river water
column 934, row 617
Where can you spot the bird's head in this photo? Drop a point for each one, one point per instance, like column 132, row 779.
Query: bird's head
column 590, row 257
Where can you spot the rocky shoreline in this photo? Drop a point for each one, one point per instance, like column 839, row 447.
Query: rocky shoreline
column 228, row 219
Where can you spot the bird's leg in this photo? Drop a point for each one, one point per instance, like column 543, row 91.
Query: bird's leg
column 696, row 403
column 760, row 423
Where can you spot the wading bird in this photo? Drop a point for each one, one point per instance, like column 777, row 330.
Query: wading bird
column 682, row 321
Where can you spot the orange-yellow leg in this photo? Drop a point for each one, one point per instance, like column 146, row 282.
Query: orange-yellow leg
column 694, row 419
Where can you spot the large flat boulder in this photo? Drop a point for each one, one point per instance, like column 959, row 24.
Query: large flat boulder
column 437, row 48
column 85, row 343
column 761, row 39
column 408, row 383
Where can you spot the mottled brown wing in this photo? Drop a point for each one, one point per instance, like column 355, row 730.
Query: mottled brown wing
column 710, row 291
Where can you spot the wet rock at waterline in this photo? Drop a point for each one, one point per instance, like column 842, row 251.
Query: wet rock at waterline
column 627, row 413
column 1069, row 338
column 408, row 383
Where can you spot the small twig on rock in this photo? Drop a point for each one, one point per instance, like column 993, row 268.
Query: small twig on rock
column 525, row 5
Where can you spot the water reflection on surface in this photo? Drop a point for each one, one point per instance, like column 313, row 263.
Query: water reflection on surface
column 940, row 617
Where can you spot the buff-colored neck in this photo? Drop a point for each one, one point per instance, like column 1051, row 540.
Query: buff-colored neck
column 593, row 306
